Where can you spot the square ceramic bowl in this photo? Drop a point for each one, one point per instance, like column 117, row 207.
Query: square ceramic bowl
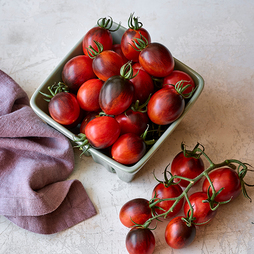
column 125, row 173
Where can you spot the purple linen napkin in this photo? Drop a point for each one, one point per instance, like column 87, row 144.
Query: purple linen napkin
column 35, row 161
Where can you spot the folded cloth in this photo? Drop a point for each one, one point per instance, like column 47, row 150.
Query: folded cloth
column 35, row 162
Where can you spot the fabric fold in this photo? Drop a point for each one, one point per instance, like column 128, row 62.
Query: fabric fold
column 35, row 161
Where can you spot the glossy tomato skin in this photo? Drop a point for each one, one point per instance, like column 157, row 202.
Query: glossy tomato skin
column 128, row 149
column 225, row 178
column 165, row 106
column 157, row 60
column 76, row 71
column 64, row 108
column 160, row 191
column 133, row 122
column 116, row 95
column 178, row 235
column 102, row 132
column 140, row 241
column 143, row 85
column 88, row 95
column 107, row 64
column 201, row 211
column 176, row 76
column 188, row 167
column 127, row 45
column 117, row 48
column 89, row 116
column 100, row 35
column 136, row 210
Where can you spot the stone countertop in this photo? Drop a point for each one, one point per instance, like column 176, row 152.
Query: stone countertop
column 216, row 39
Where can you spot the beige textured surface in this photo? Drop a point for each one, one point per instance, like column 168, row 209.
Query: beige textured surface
column 215, row 38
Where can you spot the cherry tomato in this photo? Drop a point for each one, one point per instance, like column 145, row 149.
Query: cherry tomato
column 176, row 76
column 77, row 71
column 64, row 108
column 127, row 45
column 128, row 149
column 160, row 191
column 89, row 116
column 201, row 211
column 227, row 179
column 140, row 241
column 88, row 95
column 188, row 167
column 157, row 60
column 118, row 50
column 133, row 122
column 102, row 132
column 100, row 33
column 165, row 106
column 178, row 235
column 116, row 95
column 143, row 85
column 136, row 210
column 107, row 64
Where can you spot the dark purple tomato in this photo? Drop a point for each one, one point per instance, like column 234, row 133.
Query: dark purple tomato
column 165, row 106
column 64, row 108
column 140, row 241
column 102, row 132
column 178, row 235
column 116, row 95
column 201, row 210
column 88, row 95
column 176, row 76
column 188, row 167
column 225, row 178
column 128, row 149
column 133, row 122
column 143, row 85
column 157, row 60
column 161, row 191
column 77, row 71
column 136, row 210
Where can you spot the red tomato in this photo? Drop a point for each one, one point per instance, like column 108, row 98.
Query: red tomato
column 90, row 116
column 136, row 210
column 77, row 71
column 137, row 66
column 227, row 179
column 100, row 33
column 102, row 132
column 160, row 191
column 140, row 241
column 88, row 95
column 134, row 31
column 156, row 60
column 176, row 76
column 133, row 122
column 178, row 235
column 64, row 108
column 128, row 149
column 107, row 64
column 165, row 106
column 143, row 85
column 118, row 50
column 201, row 211
column 188, row 167
column 116, row 95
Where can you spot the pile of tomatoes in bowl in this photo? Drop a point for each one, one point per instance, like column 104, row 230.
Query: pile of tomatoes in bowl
column 122, row 96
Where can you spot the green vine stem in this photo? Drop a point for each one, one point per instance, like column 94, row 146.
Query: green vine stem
column 197, row 151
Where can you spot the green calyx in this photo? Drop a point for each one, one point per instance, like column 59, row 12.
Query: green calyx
column 133, row 22
column 92, row 52
column 180, row 88
column 55, row 89
column 82, row 143
column 126, row 71
column 107, row 24
column 140, row 43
